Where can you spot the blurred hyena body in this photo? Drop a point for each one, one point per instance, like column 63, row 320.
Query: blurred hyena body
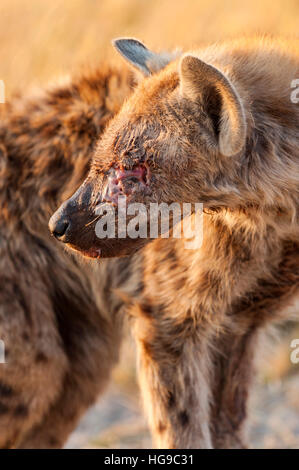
column 217, row 126
column 61, row 335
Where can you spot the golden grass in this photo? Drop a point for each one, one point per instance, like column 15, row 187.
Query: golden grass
column 40, row 40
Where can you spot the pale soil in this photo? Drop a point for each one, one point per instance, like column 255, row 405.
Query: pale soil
column 116, row 421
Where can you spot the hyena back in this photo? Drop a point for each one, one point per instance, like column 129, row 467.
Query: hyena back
column 215, row 126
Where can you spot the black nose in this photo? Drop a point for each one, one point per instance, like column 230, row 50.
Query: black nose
column 59, row 227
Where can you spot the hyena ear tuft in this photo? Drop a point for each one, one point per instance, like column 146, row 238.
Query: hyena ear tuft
column 138, row 55
column 203, row 83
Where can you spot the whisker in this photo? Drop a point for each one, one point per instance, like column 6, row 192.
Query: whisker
column 92, row 221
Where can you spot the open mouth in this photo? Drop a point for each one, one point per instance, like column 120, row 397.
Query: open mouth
column 123, row 182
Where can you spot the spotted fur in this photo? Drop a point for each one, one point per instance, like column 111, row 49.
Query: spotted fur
column 216, row 126
column 61, row 336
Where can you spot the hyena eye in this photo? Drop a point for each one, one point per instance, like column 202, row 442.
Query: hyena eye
column 124, row 182
column 133, row 179
column 139, row 174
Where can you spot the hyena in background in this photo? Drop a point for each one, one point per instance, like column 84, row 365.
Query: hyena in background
column 215, row 126
column 61, row 335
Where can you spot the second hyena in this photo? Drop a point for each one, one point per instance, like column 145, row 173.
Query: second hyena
column 61, row 334
column 217, row 126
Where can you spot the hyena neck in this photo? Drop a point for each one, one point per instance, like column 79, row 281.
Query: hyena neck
column 269, row 167
column 264, row 176
column 266, row 172
column 48, row 139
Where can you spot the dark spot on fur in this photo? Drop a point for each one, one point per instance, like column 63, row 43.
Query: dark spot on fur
column 171, row 400
column 246, row 254
column 9, row 444
column 140, row 287
column 53, row 442
column 41, row 357
column 6, row 390
column 21, row 411
column 172, row 257
column 184, row 418
column 161, row 427
column 25, row 337
column 147, row 309
column 147, row 348
column 61, row 94
column 3, row 409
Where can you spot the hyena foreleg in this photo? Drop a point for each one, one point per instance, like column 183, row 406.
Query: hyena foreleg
column 235, row 351
column 174, row 378
column 233, row 361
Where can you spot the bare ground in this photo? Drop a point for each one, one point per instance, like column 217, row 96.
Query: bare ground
column 116, row 421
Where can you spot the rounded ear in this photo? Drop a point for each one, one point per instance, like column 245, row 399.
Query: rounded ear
column 138, row 55
column 201, row 82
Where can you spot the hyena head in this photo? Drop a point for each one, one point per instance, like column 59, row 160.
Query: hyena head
column 171, row 142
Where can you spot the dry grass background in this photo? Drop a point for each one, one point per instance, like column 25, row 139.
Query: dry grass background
column 40, row 41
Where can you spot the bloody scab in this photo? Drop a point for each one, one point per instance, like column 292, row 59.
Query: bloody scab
column 125, row 182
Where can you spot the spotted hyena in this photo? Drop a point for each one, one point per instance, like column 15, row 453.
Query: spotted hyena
column 216, row 126
column 61, row 335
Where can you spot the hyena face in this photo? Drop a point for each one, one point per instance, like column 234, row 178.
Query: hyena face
column 171, row 142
